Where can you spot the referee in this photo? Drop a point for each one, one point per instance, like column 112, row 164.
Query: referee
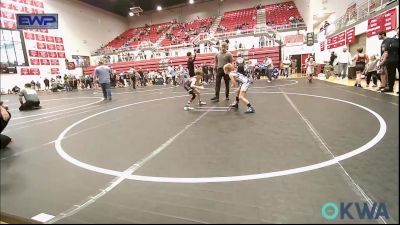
column 221, row 59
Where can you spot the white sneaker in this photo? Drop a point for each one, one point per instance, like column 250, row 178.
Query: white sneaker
column 202, row 103
column 187, row 108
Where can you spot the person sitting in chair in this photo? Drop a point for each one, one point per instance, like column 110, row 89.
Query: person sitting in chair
column 31, row 98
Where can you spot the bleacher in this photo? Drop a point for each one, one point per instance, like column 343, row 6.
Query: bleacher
column 280, row 13
column 206, row 58
column 276, row 14
column 179, row 30
column 232, row 19
column 150, row 64
column 125, row 38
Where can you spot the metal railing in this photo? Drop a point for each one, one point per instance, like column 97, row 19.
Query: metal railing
column 363, row 9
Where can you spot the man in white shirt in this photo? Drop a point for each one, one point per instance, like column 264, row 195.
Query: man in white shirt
column 344, row 59
column 269, row 66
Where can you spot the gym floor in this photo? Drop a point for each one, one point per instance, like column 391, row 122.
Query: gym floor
column 141, row 158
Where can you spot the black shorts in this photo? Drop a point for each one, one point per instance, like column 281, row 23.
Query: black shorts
column 360, row 66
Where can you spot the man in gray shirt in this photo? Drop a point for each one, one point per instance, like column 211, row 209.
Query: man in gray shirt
column 103, row 73
column 31, row 98
column 221, row 59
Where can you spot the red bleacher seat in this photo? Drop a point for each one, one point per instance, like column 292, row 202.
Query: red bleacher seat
column 232, row 19
column 280, row 13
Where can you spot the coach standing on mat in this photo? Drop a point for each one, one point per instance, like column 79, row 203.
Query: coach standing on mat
column 103, row 73
column 221, row 59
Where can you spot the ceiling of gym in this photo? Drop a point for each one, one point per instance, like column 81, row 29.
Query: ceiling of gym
column 121, row 7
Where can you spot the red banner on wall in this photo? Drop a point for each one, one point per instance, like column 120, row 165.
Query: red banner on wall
column 292, row 40
column 53, row 55
column 35, row 62
column 25, row 71
column 51, row 46
column 337, row 40
column 43, row 54
column 39, row 4
column 60, row 47
column 33, row 53
column 351, row 35
column 30, row 2
column 40, row 45
column 9, row 24
column 29, row 36
column 34, row 71
column 6, row 5
column 49, row 38
column 54, row 62
column 55, row 71
column 383, row 22
column 59, row 40
column 40, row 37
column 7, row 15
column 322, row 46
column 61, row 54
column 44, row 62
column 20, row 8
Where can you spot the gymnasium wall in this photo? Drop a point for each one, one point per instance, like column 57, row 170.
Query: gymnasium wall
column 85, row 27
column 82, row 29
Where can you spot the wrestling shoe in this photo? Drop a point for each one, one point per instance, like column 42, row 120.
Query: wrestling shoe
column 234, row 105
column 250, row 110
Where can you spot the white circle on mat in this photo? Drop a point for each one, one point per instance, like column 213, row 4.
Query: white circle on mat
column 365, row 147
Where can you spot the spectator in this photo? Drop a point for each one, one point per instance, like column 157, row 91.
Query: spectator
column 344, row 58
column 240, row 63
column 269, row 66
column 262, row 41
column 132, row 74
column 46, row 84
column 38, row 85
column 332, row 63
column 391, row 60
column 361, row 60
column 33, row 84
column 370, row 71
column 15, row 89
column 286, row 66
